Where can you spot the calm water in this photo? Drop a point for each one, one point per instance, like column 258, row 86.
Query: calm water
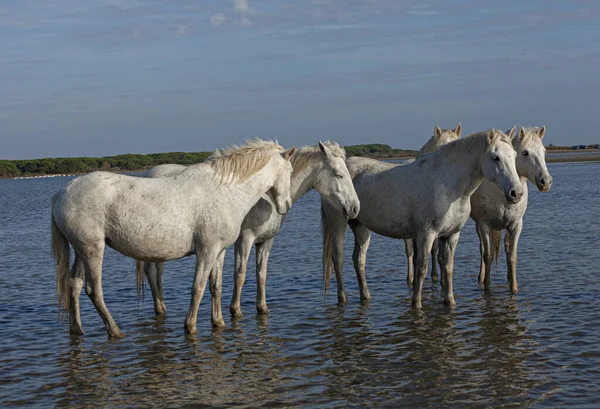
column 540, row 348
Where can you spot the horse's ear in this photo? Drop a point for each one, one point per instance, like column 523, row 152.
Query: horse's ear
column 437, row 132
column 542, row 131
column 511, row 132
column 289, row 153
column 491, row 135
column 521, row 133
column 458, row 129
column 324, row 149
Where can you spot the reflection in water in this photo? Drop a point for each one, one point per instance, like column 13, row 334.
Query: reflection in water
column 537, row 348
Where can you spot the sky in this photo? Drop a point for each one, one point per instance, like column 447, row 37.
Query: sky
column 105, row 77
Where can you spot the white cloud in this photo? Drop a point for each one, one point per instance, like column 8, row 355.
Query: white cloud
column 242, row 7
column 217, row 19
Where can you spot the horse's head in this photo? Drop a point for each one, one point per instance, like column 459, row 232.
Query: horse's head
column 444, row 136
column 334, row 182
column 531, row 157
column 280, row 192
column 499, row 164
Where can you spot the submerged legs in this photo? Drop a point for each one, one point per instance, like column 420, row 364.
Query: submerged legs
column 154, row 273
column 423, row 249
column 511, row 241
column 243, row 245
column 446, row 258
column 92, row 256
column 409, row 250
column 77, row 275
column 362, row 238
column 204, row 263
column 487, row 255
column 262, row 260
column 216, row 280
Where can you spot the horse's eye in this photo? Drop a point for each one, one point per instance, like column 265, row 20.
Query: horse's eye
column 497, row 158
column 339, row 176
column 525, row 153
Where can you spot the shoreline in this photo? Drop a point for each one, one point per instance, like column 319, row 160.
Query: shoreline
column 574, row 158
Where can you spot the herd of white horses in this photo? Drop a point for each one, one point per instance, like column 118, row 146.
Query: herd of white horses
column 241, row 196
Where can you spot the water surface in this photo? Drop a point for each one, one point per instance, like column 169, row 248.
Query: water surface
column 539, row 348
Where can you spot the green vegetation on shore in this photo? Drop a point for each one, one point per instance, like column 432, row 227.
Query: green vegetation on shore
column 127, row 162
column 131, row 162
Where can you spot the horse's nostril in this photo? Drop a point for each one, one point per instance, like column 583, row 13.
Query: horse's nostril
column 354, row 210
column 513, row 193
column 542, row 181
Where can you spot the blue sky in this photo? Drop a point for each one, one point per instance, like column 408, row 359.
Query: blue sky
column 103, row 77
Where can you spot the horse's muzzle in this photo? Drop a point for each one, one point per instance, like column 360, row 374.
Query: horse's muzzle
column 514, row 195
column 544, row 183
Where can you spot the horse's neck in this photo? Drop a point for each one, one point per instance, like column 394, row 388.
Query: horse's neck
column 303, row 181
column 467, row 175
column 251, row 190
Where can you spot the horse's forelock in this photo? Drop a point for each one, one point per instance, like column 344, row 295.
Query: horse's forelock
column 530, row 138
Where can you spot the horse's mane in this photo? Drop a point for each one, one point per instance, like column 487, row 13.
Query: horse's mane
column 238, row 163
column 307, row 154
column 474, row 142
column 531, row 136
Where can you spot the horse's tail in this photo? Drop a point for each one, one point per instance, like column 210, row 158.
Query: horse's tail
column 496, row 238
column 327, row 250
column 62, row 254
column 140, row 278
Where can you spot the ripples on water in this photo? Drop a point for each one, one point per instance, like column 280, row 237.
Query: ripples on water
column 537, row 348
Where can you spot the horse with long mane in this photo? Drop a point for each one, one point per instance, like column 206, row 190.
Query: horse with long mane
column 157, row 219
column 320, row 167
column 425, row 200
column 492, row 213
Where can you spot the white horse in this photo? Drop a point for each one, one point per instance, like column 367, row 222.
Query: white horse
column 440, row 137
column 425, row 200
column 492, row 213
column 321, row 167
column 198, row 211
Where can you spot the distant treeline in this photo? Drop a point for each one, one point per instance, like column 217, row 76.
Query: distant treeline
column 127, row 162
column 130, row 162
column 377, row 150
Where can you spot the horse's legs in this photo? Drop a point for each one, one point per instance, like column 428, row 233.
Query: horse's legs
column 338, row 261
column 243, row 245
column 154, row 276
column 362, row 238
column 409, row 250
column 487, row 254
column 423, row 249
column 511, row 240
column 481, row 278
column 334, row 225
column 447, row 248
column 216, row 281
column 434, row 272
column 205, row 259
column 77, row 275
column 262, row 260
column 92, row 256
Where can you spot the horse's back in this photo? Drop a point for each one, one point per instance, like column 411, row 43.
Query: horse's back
column 165, row 170
column 358, row 166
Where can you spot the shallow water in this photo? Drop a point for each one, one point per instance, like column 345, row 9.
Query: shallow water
column 539, row 348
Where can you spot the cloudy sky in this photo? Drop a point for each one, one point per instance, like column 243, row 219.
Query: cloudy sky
column 103, row 77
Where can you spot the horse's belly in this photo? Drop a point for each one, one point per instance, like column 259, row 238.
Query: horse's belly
column 151, row 248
